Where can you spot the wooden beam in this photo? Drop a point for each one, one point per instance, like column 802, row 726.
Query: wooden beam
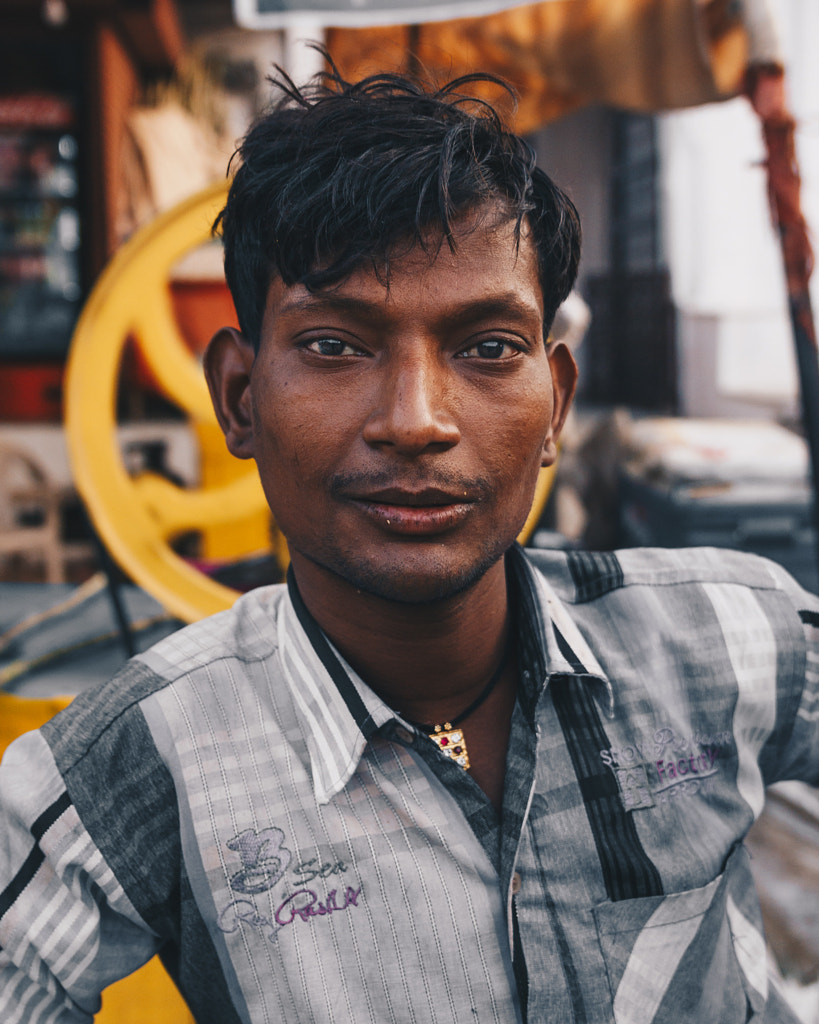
column 150, row 29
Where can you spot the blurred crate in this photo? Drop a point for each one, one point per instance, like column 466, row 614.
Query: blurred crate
column 745, row 489
column 772, row 521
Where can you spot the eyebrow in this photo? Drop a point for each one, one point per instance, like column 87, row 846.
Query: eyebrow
column 503, row 304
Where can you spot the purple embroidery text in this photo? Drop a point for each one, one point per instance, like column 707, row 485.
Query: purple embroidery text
column 303, row 904
column 701, row 765
column 652, row 769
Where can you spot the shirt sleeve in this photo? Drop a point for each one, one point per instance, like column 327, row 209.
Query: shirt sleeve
column 797, row 735
column 67, row 928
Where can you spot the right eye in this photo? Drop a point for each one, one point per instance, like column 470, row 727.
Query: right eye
column 332, row 347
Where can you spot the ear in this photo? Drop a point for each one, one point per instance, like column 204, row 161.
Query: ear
column 228, row 363
column 564, row 381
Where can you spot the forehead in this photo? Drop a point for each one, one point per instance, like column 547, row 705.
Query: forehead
column 486, row 263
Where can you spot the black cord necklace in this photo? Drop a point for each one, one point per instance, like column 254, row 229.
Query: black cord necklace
column 449, row 738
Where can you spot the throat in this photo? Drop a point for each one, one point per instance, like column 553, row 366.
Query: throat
column 478, row 743
column 448, row 735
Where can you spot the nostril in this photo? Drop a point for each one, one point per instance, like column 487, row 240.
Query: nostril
column 437, row 433
column 412, row 417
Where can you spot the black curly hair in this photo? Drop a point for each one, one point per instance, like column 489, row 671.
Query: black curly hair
column 338, row 174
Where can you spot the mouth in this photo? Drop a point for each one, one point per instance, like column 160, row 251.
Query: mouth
column 414, row 512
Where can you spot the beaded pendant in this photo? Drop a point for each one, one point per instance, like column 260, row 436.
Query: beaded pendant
column 451, row 742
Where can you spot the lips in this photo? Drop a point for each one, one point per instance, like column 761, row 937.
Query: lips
column 427, row 497
column 414, row 512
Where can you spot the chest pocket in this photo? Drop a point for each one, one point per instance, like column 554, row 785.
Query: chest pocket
column 695, row 956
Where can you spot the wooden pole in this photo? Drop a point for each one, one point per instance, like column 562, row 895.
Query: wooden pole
column 765, row 87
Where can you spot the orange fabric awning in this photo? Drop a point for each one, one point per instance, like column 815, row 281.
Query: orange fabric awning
column 635, row 54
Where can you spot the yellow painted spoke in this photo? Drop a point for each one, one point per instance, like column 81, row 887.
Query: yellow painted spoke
column 176, row 509
column 176, row 369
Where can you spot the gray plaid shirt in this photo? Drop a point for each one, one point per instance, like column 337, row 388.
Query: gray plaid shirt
column 239, row 800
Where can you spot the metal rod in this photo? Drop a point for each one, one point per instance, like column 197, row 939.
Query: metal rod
column 765, row 88
column 807, row 362
column 114, row 595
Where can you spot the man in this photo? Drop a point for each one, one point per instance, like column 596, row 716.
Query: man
column 433, row 778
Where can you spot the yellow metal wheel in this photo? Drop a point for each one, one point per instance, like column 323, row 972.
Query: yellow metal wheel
column 543, row 489
column 138, row 517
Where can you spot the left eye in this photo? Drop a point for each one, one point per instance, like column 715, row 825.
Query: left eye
column 492, row 348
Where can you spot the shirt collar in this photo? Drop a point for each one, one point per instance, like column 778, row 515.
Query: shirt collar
column 566, row 650
column 340, row 713
column 549, row 641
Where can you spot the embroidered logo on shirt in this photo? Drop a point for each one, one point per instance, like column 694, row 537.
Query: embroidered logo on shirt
column 635, row 791
column 665, row 766
column 265, row 861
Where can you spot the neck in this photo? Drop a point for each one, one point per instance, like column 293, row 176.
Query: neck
column 427, row 661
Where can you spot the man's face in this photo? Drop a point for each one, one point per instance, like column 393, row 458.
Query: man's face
column 399, row 430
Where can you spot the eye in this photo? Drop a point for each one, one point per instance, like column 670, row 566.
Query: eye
column 332, row 347
column 491, row 348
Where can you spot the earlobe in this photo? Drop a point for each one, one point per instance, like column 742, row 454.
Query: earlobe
column 564, row 382
column 228, row 363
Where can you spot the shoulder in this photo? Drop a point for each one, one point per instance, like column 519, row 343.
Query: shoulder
column 243, row 634
column 118, row 757
column 582, row 576
column 697, row 598
column 728, row 640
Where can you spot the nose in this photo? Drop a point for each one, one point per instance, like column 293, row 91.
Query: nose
column 412, row 412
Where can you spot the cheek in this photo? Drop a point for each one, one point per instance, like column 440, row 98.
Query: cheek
column 524, row 428
column 514, row 461
column 280, row 436
column 298, row 437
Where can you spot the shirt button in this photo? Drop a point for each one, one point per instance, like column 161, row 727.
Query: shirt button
column 515, row 884
column 404, row 735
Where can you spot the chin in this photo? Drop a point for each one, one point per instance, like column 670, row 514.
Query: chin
column 418, row 581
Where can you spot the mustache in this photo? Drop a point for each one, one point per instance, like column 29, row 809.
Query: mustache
column 410, row 479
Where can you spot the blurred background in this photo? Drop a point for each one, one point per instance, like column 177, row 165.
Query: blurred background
column 687, row 133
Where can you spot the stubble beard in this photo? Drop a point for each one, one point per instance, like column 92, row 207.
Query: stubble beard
column 402, row 588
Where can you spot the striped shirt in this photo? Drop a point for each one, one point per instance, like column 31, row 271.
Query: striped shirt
column 239, row 801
